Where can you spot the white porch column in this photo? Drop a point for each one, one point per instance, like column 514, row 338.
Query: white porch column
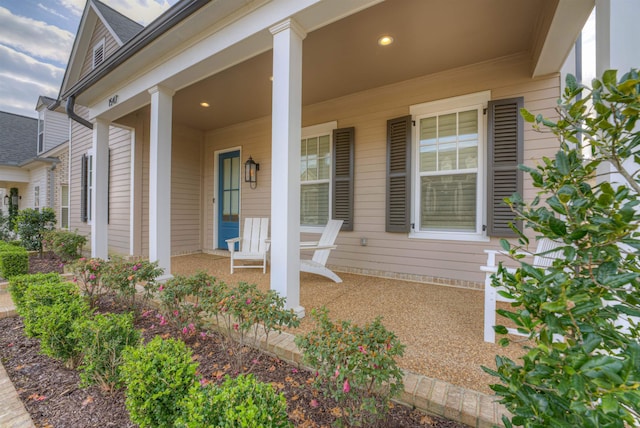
column 100, row 192
column 285, row 156
column 616, row 48
column 160, row 179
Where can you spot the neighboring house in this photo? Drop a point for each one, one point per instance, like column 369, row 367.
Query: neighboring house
column 412, row 143
column 34, row 160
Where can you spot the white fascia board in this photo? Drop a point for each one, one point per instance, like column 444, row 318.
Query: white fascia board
column 568, row 20
column 14, row 174
column 80, row 45
column 106, row 24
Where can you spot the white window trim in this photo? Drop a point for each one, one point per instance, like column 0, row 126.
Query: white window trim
column 316, row 131
column 64, row 204
column 478, row 100
column 41, row 131
column 100, row 44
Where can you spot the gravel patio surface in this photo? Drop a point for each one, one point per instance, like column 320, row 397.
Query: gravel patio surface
column 441, row 326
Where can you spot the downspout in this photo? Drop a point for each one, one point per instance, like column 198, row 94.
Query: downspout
column 71, row 102
column 51, row 199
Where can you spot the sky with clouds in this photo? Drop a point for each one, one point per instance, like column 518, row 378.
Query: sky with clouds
column 36, row 37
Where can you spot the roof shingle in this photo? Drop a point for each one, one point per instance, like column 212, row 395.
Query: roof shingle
column 18, row 137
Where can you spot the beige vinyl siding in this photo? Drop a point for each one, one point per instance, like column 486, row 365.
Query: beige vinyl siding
column 119, row 189
column 455, row 261
column 254, row 139
column 186, row 177
column 110, row 46
column 56, row 129
column 38, row 179
column 81, row 141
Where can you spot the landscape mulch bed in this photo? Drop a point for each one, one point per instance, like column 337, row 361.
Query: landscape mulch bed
column 52, row 395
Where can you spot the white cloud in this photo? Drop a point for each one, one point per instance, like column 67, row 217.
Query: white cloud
column 35, row 38
column 22, row 68
column 74, row 6
column 142, row 11
column 52, row 11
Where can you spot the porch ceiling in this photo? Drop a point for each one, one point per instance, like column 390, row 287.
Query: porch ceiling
column 430, row 36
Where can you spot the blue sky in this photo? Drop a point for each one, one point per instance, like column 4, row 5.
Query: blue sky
column 36, row 37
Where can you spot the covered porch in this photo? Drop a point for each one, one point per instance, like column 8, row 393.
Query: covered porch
column 441, row 326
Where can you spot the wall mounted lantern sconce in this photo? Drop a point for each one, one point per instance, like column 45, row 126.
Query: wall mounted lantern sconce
column 6, row 200
column 251, row 172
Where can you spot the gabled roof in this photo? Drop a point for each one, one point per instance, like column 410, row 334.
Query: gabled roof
column 44, row 102
column 18, row 136
column 123, row 27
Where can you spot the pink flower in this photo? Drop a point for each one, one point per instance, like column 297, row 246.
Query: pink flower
column 153, row 326
column 203, row 334
column 184, row 330
column 92, row 277
column 314, row 403
column 235, row 327
column 161, row 288
column 337, row 373
column 176, row 313
column 294, row 370
column 362, row 349
column 346, row 387
column 135, row 268
column 192, row 327
column 163, row 321
column 248, row 301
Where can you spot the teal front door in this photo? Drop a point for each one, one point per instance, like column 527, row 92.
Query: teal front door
column 228, row 197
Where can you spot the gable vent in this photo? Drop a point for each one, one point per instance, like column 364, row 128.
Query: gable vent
column 98, row 54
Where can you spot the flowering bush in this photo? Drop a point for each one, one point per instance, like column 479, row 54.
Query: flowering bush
column 180, row 299
column 64, row 244
column 157, row 376
column 355, row 365
column 238, row 402
column 87, row 274
column 244, row 312
column 122, row 277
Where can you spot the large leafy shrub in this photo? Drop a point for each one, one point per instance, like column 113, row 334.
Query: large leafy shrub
column 181, row 298
column 581, row 314
column 157, row 376
column 356, row 366
column 238, row 402
column 49, row 312
column 14, row 260
column 102, row 340
column 31, row 224
column 65, row 244
column 18, row 285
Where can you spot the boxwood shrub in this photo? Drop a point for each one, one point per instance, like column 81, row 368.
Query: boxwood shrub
column 14, row 260
column 18, row 285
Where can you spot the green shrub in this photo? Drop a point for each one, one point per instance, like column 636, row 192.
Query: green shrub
column 157, row 377
column 13, row 261
column 49, row 312
column 122, row 277
column 582, row 367
column 64, row 244
column 31, row 223
column 355, row 366
column 87, row 274
column 102, row 340
column 18, row 285
column 37, row 300
column 238, row 402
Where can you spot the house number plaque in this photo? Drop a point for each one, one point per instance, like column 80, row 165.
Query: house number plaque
column 113, row 100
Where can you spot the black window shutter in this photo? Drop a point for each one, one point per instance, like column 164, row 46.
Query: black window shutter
column 108, row 185
column 398, row 174
column 505, row 153
column 83, row 187
column 343, row 155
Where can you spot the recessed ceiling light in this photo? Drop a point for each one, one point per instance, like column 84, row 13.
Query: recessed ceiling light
column 385, row 40
column 204, row 104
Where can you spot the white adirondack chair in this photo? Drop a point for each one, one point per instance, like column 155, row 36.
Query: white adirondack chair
column 322, row 250
column 543, row 258
column 253, row 244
